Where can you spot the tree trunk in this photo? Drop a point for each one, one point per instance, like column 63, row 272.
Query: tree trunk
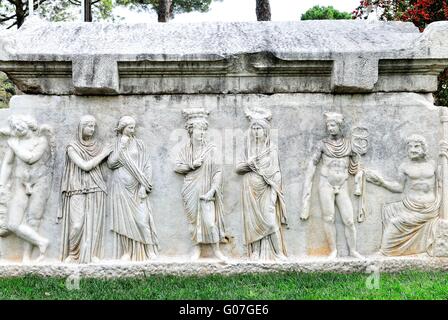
column 20, row 13
column 263, row 10
column 88, row 11
column 164, row 10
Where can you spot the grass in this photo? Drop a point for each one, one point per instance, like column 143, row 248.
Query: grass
column 406, row 285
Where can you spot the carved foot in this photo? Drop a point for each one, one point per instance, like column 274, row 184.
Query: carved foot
column 26, row 259
column 43, row 246
column 40, row 258
column 196, row 254
column 333, row 254
column 126, row 257
column 42, row 249
column 282, row 257
column 221, row 257
column 356, row 254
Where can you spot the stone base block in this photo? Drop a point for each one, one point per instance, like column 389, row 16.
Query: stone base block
column 207, row 267
column 441, row 241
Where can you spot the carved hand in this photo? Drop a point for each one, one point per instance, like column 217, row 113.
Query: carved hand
column 373, row 177
column 443, row 146
column 251, row 161
column 3, row 194
column 306, row 206
column 107, row 151
column 209, row 196
column 5, row 132
column 13, row 144
column 305, row 214
column 142, row 193
column 198, row 162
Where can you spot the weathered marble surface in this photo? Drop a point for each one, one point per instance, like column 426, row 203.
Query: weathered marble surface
column 240, row 57
column 372, row 266
column 297, row 125
column 379, row 76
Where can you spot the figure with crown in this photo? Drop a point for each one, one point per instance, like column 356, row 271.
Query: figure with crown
column 263, row 201
column 202, row 191
column 340, row 158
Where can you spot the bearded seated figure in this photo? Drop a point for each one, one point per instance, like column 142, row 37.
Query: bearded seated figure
column 409, row 225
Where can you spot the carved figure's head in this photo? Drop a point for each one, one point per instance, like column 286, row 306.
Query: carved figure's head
column 22, row 125
column 126, row 126
column 416, row 147
column 196, row 123
column 260, row 122
column 87, row 126
column 334, row 123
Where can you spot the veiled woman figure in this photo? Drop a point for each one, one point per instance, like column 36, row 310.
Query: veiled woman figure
column 262, row 196
column 202, row 192
column 133, row 226
column 83, row 196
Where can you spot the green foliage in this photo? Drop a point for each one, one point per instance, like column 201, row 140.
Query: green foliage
column 419, row 12
column 7, row 90
column 406, row 285
column 442, row 92
column 179, row 6
column 325, row 13
column 61, row 10
column 69, row 10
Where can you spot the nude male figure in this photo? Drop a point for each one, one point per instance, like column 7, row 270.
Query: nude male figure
column 338, row 161
column 28, row 164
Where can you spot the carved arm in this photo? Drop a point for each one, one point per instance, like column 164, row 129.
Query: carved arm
column 392, row 186
column 6, row 168
column 86, row 165
column 307, row 187
column 182, row 168
column 28, row 156
column 242, row 167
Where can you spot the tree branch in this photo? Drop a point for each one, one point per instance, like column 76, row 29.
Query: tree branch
column 5, row 18
column 14, row 24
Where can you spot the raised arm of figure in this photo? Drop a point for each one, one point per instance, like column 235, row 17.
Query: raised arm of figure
column 90, row 164
column 6, row 168
column 29, row 157
column 182, row 168
column 391, row 185
column 114, row 160
column 242, row 167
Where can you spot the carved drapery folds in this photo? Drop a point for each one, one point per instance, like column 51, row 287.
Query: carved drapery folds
column 263, row 201
column 202, row 191
column 107, row 183
column 135, row 236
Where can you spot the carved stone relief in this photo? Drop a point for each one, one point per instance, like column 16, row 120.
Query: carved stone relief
column 409, row 225
column 84, row 193
column 93, row 208
column 25, row 179
column 339, row 159
column 263, row 202
column 135, row 236
column 202, row 192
